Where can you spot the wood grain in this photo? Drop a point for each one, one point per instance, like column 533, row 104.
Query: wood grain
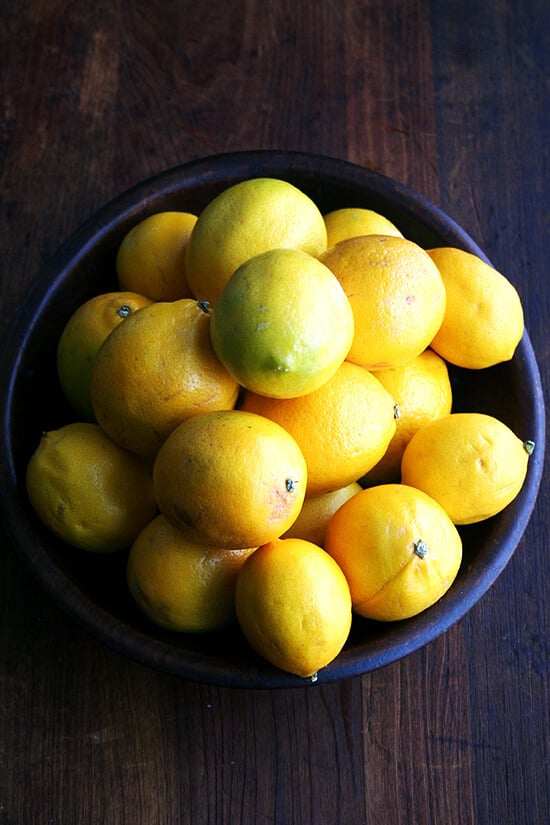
column 449, row 98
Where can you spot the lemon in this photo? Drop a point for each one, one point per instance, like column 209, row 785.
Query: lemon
column 293, row 605
column 151, row 257
column 283, row 324
column 244, row 220
column 471, row 463
column 397, row 296
column 235, row 479
column 316, row 513
column 181, row 585
column 88, row 490
column 398, row 548
column 483, row 321
column 81, row 338
column 350, row 222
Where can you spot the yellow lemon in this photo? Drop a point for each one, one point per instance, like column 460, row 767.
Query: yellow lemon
column 399, row 551
column 244, row 220
column 343, row 428
column 181, row 585
column 483, row 322
column 151, row 257
column 88, row 490
column 422, row 392
column 82, row 336
column 293, row 605
column 316, row 513
column 350, row 222
column 155, row 370
column 471, row 463
column 397, row 297
column 283, row 324
column 234, row 478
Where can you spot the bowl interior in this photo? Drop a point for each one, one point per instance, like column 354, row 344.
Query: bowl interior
column 92, row 588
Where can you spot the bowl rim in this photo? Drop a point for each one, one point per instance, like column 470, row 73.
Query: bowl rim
column 127, row 640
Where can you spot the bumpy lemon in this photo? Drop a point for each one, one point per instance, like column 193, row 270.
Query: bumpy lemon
column 471, row 463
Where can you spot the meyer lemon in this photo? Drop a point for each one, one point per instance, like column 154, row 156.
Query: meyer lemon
column 233, row 478
column 397, row 297
column 398, row 548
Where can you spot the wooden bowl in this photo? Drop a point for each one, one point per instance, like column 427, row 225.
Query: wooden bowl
column 92, row 588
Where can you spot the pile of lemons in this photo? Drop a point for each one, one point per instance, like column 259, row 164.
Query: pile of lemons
column 264, row 420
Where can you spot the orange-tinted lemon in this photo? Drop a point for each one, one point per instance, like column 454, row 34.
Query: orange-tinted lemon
column 283, row 324
column 399, row 551
column 343, row 428
column 483, row 322
column 422, row 392
column 88, row 490
column 244, row 220
column 471, row 463
column 293, row 605
column 316, row 513
column 151, row 256
column 179, row 584
column 155, row 370
column 350, row 222
column 234, row 478
column 82, row 336
column 397, row 296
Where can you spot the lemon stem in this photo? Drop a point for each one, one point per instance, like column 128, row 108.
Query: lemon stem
column 529, row 446
column 420, row 548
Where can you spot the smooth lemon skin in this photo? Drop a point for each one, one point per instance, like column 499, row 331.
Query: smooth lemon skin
column 88, row 490
column 155, row 371
column 422, row 392
column 471, row 463
column 234, row 478
column 181, row 585
column 293, row 605
column 316, row 512
column 483, row 322
column 244, row 220
column 397, row 296
column 151, row 257
column 398, row 548
column 343, row 428
column 81, row 339
column 351, row 222
column 283, row 324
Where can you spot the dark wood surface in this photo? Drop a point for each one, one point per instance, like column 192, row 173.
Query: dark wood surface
column 451, row 98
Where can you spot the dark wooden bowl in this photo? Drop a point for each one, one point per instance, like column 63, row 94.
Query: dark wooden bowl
column 92, row 588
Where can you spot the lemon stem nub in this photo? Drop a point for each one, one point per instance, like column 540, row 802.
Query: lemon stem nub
column 204, row 305
column 290, row 485
column 420, row 548
column 396, row 411
column 529, row 446
column 124, row 311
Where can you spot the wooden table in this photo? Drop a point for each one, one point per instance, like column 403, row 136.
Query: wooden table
column 450, row 98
